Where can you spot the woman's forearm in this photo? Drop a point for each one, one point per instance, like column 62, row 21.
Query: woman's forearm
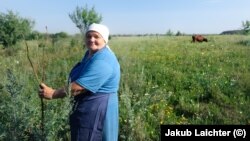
column 76, row 89
column 59, row 93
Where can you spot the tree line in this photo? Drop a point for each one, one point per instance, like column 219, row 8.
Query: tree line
column 14, row 28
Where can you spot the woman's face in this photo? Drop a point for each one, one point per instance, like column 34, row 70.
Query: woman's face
column 94, row 41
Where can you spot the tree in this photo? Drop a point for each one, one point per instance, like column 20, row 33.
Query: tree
column 83, row 17
column 13, row 28
column 178, row 33
column 169, row 33
column 246, row 27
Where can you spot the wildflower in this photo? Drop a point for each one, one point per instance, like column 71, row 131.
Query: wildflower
column 16, row 61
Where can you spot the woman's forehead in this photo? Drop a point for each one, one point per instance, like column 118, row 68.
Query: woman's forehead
column 92, row 33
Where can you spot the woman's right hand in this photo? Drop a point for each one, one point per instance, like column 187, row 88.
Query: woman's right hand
column 45, row 91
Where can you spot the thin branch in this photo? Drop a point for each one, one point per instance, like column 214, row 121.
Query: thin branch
column 38, row 81
column 31, row 64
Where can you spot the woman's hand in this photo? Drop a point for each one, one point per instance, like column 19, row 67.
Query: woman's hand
column 45, row 91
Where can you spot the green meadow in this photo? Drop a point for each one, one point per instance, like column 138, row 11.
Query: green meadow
column 164, row 80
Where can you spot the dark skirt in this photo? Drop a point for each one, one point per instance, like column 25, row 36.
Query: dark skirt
column 87, row 119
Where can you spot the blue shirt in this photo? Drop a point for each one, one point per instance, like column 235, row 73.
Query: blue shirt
column 100, row 73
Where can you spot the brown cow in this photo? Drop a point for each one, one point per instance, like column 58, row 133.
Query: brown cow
column 199, row 38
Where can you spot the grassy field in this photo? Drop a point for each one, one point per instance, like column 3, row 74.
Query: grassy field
column 165, row 80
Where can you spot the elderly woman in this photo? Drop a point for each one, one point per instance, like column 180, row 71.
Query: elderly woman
column 94, row 84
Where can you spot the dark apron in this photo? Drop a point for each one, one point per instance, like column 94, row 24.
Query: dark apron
column 87, row 119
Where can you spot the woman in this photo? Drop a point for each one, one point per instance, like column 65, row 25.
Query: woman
column 94, row 84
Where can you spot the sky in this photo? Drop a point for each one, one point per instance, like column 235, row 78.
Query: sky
column 137, row 16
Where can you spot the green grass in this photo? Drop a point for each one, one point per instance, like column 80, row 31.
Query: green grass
column 164, row 80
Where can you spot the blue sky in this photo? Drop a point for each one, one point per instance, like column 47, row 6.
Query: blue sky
column 137, row 16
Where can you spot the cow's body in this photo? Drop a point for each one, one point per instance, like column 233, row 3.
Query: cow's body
column 198, row 38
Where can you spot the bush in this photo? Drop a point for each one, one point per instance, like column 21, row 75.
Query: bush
column 13, row 28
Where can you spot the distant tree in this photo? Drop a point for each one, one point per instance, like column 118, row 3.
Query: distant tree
column 13, row 27
column 83, row 17
column 34, row 35
column 61, row 35
column 57, row 36
column 178, row 33
column 246, row 27
column 169, row 33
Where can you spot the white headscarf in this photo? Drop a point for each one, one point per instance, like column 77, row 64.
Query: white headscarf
column 101, row 29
